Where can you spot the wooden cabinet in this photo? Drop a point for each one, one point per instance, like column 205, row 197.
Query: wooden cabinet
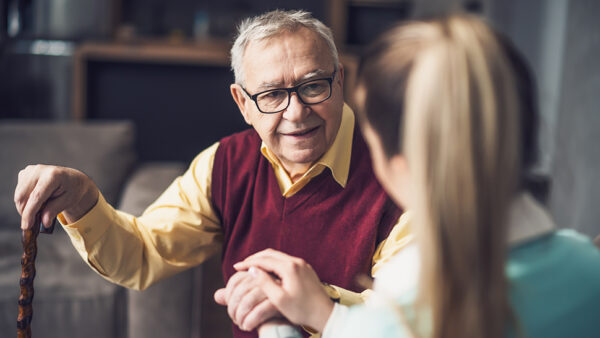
column 212, row 52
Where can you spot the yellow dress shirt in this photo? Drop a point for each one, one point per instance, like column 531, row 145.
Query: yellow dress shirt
column 138, row 251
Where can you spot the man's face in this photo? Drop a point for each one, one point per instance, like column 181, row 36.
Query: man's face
column 300, row 134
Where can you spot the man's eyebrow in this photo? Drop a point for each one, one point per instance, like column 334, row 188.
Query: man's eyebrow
column 313, row 74
column 269, row 85
column 305, row 77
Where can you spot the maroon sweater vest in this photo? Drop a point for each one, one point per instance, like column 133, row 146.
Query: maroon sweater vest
column 336, row 230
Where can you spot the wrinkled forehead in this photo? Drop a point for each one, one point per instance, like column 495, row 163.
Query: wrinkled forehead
column 287, row 57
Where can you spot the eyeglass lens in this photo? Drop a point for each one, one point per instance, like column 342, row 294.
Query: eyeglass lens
column 278, row 99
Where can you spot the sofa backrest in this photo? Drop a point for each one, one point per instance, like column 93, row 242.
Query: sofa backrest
column 102, row 150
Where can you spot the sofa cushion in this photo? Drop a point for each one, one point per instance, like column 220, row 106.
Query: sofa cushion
column 176, row 299
column 147, row 183
column 103, row 150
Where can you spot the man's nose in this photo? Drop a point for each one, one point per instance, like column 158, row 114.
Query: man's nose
column 296, row 110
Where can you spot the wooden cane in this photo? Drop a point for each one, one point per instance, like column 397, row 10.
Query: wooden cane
column 28, row 237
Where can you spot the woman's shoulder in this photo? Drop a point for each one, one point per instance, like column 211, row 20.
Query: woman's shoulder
column 565, row 246
column 554, row 284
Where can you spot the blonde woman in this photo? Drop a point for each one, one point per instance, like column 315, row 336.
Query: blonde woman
column 447, row 110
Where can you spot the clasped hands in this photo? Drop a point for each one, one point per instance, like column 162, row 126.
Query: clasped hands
column 271, row 287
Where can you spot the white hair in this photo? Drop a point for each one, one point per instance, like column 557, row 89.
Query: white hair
column 271, row 24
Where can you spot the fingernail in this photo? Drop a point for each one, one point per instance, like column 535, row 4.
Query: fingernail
column 252, row 271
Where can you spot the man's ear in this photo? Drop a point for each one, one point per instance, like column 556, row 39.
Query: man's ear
column 241, row 100
column 340, row 77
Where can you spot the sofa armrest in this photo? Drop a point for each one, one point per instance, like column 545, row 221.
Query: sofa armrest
column 165, row 309
column 147, row 182
column 182, row 305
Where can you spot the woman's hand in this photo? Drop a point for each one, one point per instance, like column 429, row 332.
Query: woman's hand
column 291, row 285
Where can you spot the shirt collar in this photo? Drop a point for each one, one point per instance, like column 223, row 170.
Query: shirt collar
column 337, row 157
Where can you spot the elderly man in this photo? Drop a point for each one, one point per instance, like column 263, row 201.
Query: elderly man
column 299, row 181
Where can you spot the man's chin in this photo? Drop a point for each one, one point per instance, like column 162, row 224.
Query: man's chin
column 304, row 156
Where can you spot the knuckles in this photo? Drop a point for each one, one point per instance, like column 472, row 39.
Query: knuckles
column 297, row 264
column 51, row 172
column 41, row 171
column 269, row 251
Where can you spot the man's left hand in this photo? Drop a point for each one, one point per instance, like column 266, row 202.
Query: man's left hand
column 247, row 305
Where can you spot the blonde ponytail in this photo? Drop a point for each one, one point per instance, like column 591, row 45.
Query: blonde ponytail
column 459, row 122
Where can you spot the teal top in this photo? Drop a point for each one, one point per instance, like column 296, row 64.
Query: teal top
column 554, row 290
column 555, row 286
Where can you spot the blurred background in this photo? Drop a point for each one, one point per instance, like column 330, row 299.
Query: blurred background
column 163, row 65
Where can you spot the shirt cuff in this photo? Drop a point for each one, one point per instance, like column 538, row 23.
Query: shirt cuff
column 336, row 320
column 347, row 297
column 89, row 228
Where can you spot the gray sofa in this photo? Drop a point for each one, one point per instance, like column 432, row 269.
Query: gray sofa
column 70, row 299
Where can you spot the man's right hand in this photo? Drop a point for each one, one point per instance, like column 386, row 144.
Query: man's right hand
column 52, row 190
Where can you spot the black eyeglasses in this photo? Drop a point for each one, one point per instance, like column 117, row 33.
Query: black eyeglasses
column 276, row 100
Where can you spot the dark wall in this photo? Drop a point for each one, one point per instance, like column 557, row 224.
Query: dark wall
column 178, row 109
column 34, row 86
column 576, row 165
